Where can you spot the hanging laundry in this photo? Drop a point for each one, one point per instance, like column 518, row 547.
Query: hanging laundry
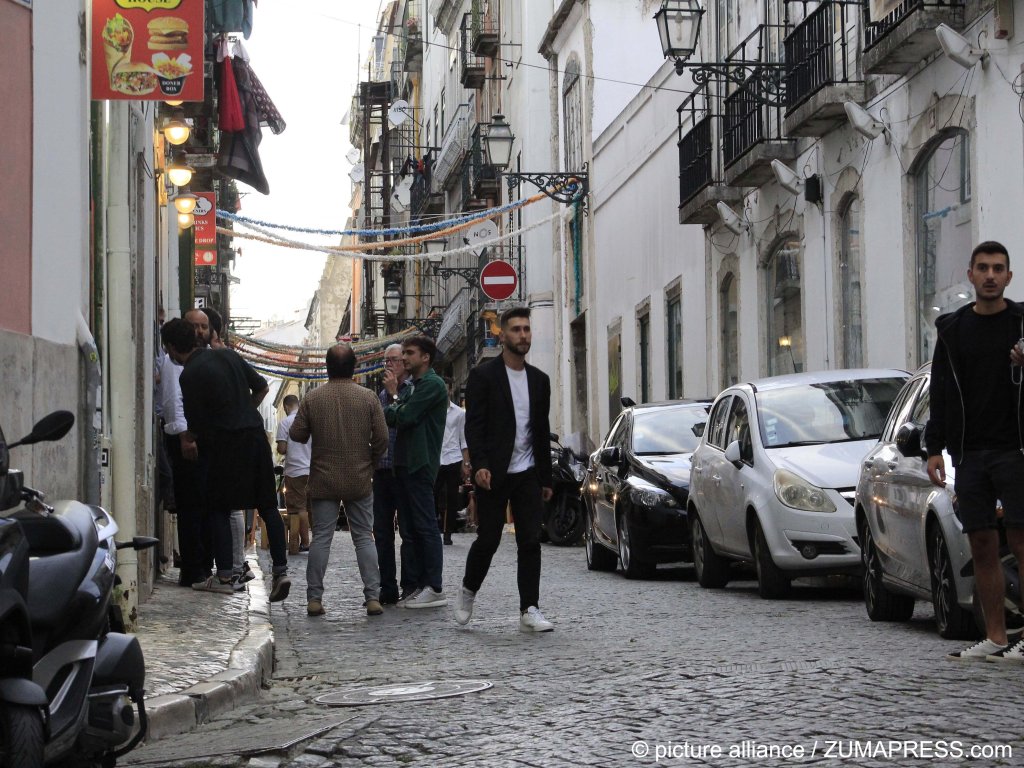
column 229, row 16
column 229, row 103
column 239, row 156
column 269, row 116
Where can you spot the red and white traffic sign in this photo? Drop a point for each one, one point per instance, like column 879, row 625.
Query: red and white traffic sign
column 498, row 280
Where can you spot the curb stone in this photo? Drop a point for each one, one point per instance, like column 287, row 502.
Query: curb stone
column 250, row 664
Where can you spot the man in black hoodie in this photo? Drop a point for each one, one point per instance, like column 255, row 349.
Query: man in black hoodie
column 976, row 415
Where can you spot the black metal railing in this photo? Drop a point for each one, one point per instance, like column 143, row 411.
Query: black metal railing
column 875, row 31
column 821, row 50
column 751, row 113
column 697, row 149
column 472, row 66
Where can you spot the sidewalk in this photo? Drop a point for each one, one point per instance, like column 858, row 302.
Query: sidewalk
column 205, row 653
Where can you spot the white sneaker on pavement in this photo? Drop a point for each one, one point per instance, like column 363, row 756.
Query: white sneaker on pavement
column 532, row 620
column 977, row 652
column 464, row 606
column 427, row 598
column 1013, row 653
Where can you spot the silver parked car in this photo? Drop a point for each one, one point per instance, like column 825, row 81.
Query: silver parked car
column 912, row 543
column 772, row 481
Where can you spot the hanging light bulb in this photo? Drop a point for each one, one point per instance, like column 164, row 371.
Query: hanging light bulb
column 176, row 131
column 174, row 103
column 179, row 171
column 186, row 220
column 185, row 202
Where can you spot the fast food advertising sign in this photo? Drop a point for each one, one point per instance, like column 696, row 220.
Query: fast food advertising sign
column 147, row 49
column 205, row 216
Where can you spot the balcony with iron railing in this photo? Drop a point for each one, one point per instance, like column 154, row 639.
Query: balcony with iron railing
column 485, row 29
column 701, row 184
column 479, row 178
column 453, row 149
column 752, row 113
column 412, row 42
column 471, row 66
column 821, row 69
column 898, row 41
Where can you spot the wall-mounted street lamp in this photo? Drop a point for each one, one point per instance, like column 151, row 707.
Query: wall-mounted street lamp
column 679, row 29
column 185, row 202
column 179, row 171
column 185, row 220
column 565, row 188
column 176, row 130
column 392, row 300
column 435, row 256
column 786, row 342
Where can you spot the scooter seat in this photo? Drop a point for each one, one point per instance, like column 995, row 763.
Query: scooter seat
column 62, row 547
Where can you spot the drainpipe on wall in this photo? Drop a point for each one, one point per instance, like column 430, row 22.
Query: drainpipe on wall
column 120, row 347
column 93, row 410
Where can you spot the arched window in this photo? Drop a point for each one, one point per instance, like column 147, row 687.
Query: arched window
column 851, row 323
column 728, row 308
column 785, row 341
column 572, row 115
column 942, row 187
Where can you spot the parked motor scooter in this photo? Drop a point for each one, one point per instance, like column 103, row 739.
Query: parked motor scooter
column 563, row 514
column 70, row 679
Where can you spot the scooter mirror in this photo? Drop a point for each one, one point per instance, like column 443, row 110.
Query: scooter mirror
column 553, row 437
column 139, row 542
column 49, row 428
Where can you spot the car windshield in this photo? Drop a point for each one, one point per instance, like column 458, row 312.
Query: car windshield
column 828, row 412
column 668, row 430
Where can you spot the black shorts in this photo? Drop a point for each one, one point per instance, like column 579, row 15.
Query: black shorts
column 241, row 470
column 984, row 478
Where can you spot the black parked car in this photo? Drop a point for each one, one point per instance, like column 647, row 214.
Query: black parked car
column 636, row 487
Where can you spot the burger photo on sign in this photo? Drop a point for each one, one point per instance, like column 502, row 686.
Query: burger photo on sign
column 168, row 33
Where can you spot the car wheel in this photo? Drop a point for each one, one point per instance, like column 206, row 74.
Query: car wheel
column 952, row 621
column 711, row 568
column 599, row 557
column 772, row 581
column 880, row 602
column 633, row 566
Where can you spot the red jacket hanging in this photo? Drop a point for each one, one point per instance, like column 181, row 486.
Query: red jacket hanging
column 230, row 115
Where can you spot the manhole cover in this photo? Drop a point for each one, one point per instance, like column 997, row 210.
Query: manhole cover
column 398, row 692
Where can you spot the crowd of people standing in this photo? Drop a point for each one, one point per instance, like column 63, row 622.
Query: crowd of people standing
column 399, row 458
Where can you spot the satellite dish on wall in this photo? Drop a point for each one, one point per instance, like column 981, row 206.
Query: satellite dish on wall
column 399, row 112
column 358, row 173
column 352, row 156
column 401, row 195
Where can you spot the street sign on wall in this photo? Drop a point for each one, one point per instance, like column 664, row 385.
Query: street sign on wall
column 147, row 49
column 498, row 280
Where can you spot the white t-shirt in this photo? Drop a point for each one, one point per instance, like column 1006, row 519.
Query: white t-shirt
column 454, row 435
column 522, row 452
column 296, row 457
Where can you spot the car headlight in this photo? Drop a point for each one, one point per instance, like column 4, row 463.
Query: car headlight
column 650, row 496
column 793, row 491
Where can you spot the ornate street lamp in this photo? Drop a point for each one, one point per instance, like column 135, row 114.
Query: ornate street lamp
column 435, row 256
column 499, row 140
column 435, row 252
column 179, row 171
column 392, row 299
column 679, row 28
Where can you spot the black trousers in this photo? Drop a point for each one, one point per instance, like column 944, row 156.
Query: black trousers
column 195, row 543
column 522, row 490
column 446, row 496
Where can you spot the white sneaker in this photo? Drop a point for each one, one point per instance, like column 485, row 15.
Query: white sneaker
column 464, row 608
column 977, row 652
column 427, row 598
column 1014, row 653
column 532, row 620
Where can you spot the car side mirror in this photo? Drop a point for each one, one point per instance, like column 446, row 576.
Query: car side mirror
column 610, row 457
column 733, row 453
column 908, row 441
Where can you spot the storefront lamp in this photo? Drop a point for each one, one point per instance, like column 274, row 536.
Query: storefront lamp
column 176, row 131
column 179, row 171
column 185, row 202
column 186, row 220
column 392, row 300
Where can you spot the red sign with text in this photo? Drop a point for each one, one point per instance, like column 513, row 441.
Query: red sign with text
column 205, row 229
column 147, row 49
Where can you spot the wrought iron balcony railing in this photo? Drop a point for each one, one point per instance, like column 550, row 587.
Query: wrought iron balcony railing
column 876, row 30
column 821, row 50
column 697, row 151
column 472, row 68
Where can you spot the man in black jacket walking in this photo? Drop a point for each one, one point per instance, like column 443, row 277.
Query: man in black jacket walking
column 976, row 415
column 507, row 431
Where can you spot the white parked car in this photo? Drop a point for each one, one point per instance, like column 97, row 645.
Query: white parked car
column 773, row 478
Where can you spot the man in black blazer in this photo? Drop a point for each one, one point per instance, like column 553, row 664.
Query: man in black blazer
column 507, row 431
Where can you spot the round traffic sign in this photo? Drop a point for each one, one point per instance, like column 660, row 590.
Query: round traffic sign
column 498, row 280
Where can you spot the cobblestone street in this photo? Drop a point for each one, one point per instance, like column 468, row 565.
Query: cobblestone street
column 636, row 671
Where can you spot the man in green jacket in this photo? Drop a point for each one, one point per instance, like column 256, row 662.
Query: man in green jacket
column 419, row 416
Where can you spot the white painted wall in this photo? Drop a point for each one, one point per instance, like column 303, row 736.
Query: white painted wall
column 60, row 184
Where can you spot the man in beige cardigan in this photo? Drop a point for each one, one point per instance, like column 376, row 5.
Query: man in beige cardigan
column 345, row 423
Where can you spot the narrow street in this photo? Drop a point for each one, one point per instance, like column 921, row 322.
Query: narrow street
column 636, row 673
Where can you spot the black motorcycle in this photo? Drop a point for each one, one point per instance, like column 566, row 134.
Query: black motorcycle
column 70, row 679
column 563, row 514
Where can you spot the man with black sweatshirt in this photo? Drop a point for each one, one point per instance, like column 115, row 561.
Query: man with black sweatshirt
column 976, row 415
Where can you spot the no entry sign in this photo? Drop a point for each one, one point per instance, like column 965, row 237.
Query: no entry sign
column 498, row 280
